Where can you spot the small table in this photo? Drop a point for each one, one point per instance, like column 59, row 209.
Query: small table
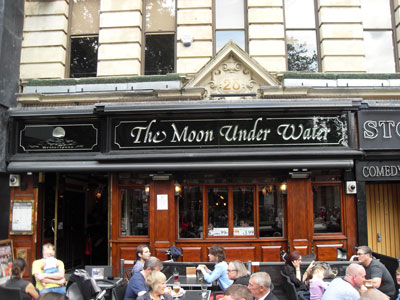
column 194, row 295
column 188, row 282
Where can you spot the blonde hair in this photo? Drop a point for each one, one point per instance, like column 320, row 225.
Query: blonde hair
column 154, row 279
column 317, row 269
column 240, row 268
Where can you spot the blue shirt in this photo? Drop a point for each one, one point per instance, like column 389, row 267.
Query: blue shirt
column 219, row 273
column 136, row 284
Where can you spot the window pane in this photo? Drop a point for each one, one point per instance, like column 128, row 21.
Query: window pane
column 270, row 206
column 191, row 212
column 160, row 15
column 222, row 37
column 229, row 14
column 379, row 52
column 327, row 209
column 217, row 211
column 159, row 54
column 302, row 50
column 83, row 57
column 299, row 14
column 134, row 212
column 375, row 14
column 243, row 212
column 85, row 17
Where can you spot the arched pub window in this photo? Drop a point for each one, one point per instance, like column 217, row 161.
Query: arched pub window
column 211, row 210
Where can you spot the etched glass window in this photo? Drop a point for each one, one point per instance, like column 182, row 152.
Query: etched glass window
column 134, row 212
column 327, row 209
column 218, row 218
column 191, row 212
column 243, row 211
column 271, row 211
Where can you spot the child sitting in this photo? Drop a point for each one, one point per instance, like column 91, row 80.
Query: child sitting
column 317, row 284
column 50, row 263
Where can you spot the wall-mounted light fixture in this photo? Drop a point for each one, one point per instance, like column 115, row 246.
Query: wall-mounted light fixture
column 178, row 189
column 283, row 187
column 147, row 190
column 300, row 174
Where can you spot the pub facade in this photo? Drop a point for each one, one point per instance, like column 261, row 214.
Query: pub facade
column 209, row 141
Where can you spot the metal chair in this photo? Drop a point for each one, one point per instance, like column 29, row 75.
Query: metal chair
column 290, row 289
column 10, row 293
column 119, row 291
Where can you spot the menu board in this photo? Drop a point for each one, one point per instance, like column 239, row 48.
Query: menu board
column 6, row 259
column 22, row 217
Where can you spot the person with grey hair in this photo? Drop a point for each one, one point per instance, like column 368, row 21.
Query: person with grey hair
column 349, row 287
column 238, row 273
column 260, row 286
column 137, row 284
column 376, row 272
column 238, row 292
column 156, row 283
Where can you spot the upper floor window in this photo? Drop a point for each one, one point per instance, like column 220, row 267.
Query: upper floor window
column 160, row 24
column 84, row 38
column 378, row 36
column 301, row 35
column 230, row 23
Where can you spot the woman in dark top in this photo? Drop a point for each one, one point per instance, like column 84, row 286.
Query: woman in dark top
column 27, row 289
column 293, row 271
column 157, row 287
column 238, row 272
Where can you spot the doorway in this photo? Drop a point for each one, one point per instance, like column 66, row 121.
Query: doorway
column 73, row 212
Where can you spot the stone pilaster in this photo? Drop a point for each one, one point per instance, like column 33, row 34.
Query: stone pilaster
column 44, row 44
column 120, row 38
column 341, row 36
column 194, row 20
column 267, row 34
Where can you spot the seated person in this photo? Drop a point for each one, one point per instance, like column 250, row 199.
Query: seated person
column 317, row 284
column 142, row 254
column 156, row 283
column 217, row 256
column 293, row 271
column 376, row 271
column 28, row 291
column 238, row 272
column 49, row 282
column 137, row 284
column 238, row 292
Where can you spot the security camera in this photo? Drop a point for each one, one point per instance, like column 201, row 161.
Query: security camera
column 15, row 180
column 351, row 187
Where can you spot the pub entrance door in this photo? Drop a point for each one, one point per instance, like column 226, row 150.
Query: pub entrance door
column 73, row 213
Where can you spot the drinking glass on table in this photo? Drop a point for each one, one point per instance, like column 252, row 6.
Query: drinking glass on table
column 176, row 287
column 204, row 290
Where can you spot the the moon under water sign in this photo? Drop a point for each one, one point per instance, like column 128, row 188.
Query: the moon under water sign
column 234, row 132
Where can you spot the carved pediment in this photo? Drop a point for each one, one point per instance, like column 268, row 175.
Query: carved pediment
column 232, row 72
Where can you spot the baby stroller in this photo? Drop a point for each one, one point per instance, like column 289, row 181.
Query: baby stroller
column 82, row 287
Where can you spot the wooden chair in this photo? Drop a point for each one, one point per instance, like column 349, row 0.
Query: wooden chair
column 290, row 288
column 10, row 293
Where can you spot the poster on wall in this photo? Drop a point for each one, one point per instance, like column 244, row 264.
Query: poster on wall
column 6, row 259
column 21, row 217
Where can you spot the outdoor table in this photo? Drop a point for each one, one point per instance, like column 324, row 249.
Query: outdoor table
column 188, row 282
column 194, row 295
